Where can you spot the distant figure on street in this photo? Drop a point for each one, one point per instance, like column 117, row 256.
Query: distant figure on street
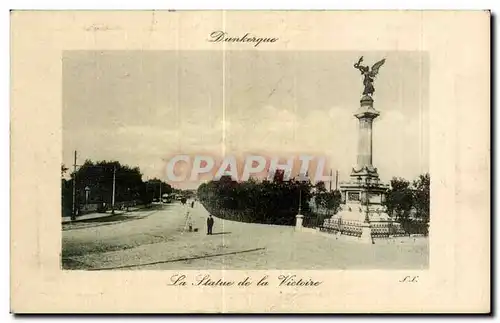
column 210, row 224
column 192, row 204
column 190, row 223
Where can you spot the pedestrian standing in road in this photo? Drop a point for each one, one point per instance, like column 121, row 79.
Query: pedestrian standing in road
column 210, row 224
column 192, row 204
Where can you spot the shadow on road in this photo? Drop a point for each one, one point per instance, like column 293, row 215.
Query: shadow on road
column 109, row 220
column 177, row 260
column 105, row 219
column 216, row 233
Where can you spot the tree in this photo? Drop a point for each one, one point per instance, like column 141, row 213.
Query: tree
column 320, row 187
column 403, row 200
column 272, row 202
column 97, row 178
column 399, row 198
column 66, row 197
column 64, row 169
column 155, row 187
column 333, row 201
column 320, row 198
column 329, row 200
column 279, row 176
column 94, row 185
column 421, row 196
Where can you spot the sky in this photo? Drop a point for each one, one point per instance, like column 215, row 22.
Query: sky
column 144, row 107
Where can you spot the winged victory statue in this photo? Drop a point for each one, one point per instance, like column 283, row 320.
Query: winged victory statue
column 368, row 74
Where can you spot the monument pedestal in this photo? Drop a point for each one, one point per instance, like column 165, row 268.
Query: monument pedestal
column 363, row 222
column 362, row 214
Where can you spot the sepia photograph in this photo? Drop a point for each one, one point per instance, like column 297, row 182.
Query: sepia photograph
column 245, row 160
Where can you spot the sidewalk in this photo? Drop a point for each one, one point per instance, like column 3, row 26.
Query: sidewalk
column 91, row 216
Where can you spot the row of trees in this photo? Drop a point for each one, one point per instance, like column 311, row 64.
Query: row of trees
column 94, row 185
column 404, row 200
column 258, row 201
column 277, row 201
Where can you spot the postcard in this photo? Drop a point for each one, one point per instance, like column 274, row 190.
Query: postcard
column 250, row 162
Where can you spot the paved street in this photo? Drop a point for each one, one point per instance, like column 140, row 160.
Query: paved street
column 155, row 239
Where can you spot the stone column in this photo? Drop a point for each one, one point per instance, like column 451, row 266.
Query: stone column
column 365, row 142
column 366, row 114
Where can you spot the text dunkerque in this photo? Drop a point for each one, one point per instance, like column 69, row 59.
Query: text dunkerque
column 222, row 36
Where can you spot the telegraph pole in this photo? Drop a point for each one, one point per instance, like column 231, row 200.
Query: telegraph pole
column 114, row 188
column 337, row 180
column 73, row 213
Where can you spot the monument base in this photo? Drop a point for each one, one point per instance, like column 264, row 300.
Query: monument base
column 350, row 221
column 362, row 214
